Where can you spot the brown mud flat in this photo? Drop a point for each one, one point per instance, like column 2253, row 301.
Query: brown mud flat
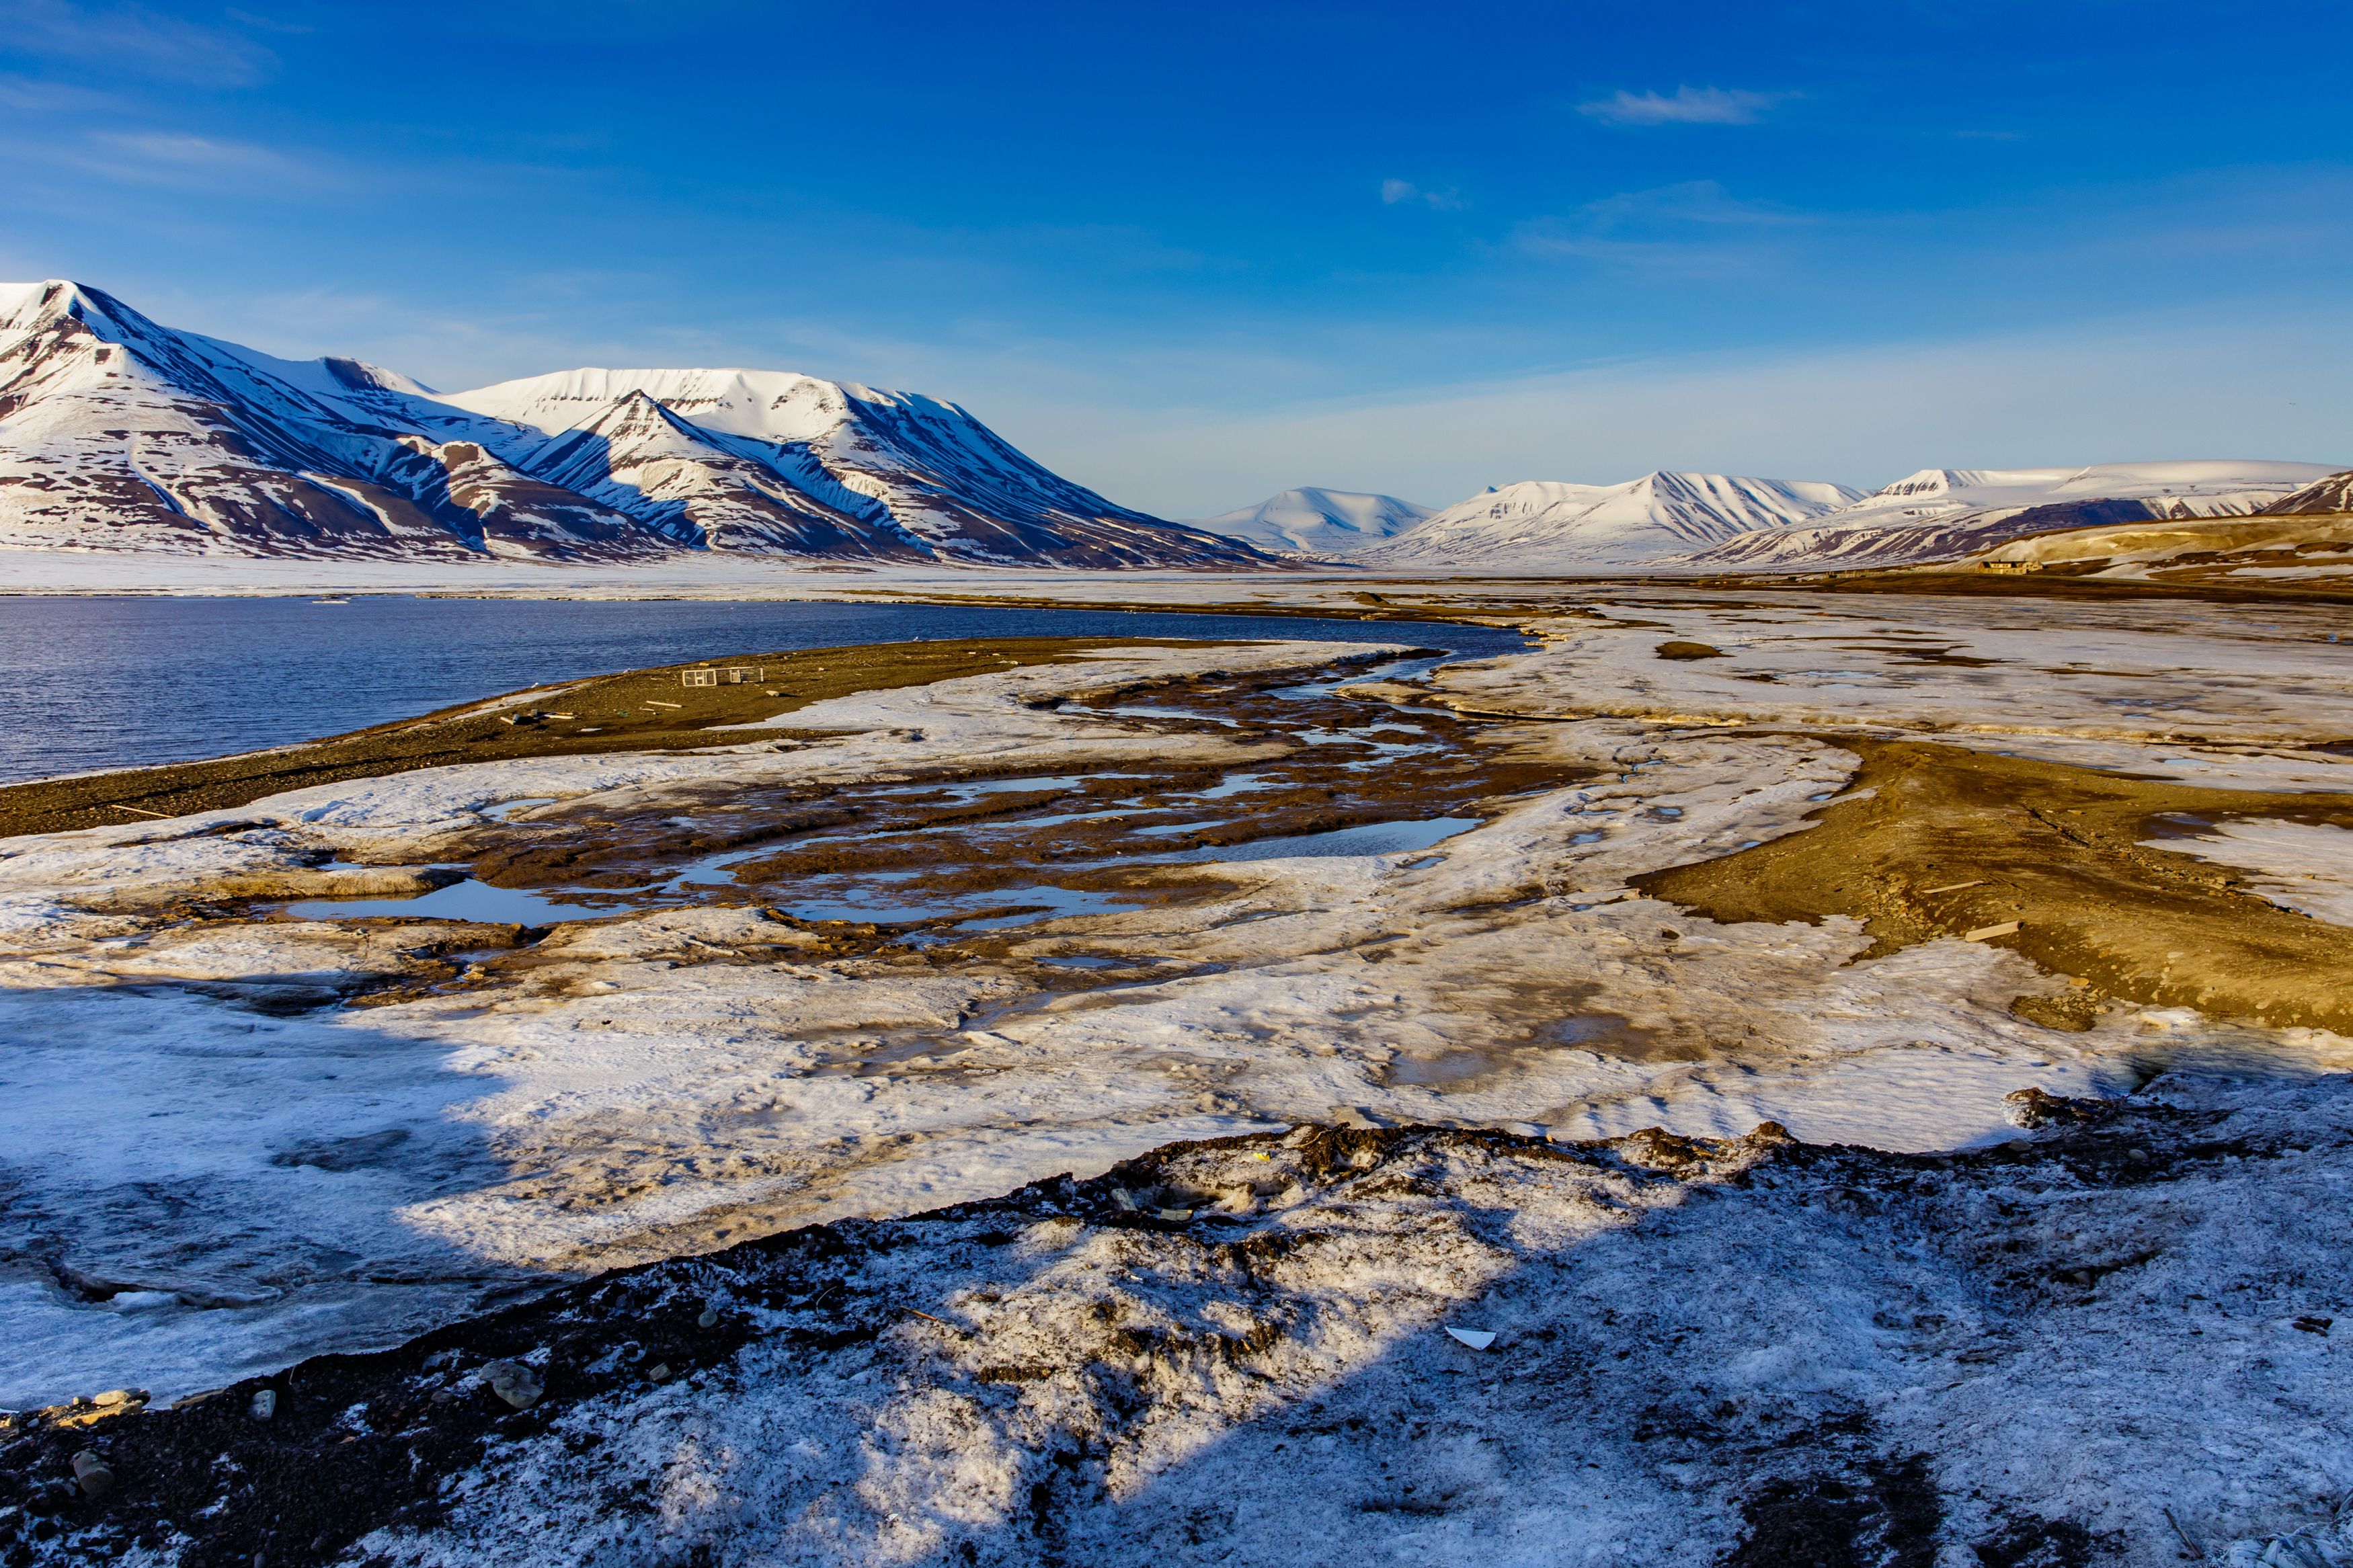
column 603, row 713
column 989, row 847
column 359, row 1443
column 1955, row 840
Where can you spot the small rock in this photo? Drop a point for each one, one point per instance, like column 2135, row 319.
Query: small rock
column 2033, row 1108
column 514, row 1383
column 91, row 1470
column 709, row 1320
column 119, row 1396
column 265, row 1404
column 659, row 1372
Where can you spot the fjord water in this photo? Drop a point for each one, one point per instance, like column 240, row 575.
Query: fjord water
column 95, row 683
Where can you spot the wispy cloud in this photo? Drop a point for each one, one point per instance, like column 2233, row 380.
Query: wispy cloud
column 171, row 158
column 1685, row 106
column 1696, row 228
column 132, row 38
column 1396, row 193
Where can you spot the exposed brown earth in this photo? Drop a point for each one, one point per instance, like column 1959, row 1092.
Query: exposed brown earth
column 607, row 713
column 930, row 840
column 1952, row 841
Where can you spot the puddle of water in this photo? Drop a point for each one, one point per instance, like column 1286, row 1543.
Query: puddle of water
column 972, row 790
column 1061, row 902
column 1235, row 784
column 1164, row 829
column 1146, row 711
column 1038, row 902
column 506, row 811
column 1057, row 821
column 1087, row 961
column 1368, row 838
column 466, row 901
column 1400, row 669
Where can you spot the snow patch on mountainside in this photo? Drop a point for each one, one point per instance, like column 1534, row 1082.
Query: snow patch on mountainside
column 2334, row 493
column 1312, row 521
column 1538, row 526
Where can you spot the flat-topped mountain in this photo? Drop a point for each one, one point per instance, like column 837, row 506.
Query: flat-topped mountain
column 1546, row 527
column 119, row 434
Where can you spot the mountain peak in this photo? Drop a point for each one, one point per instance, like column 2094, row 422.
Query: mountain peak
column 181, row 442
column 1314, row 520
column 1558, row 526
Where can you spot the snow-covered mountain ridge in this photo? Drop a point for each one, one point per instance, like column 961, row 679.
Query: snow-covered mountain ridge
column 1942, row 513
column 1312, row 521
column 118, row 433
column 1544, row 527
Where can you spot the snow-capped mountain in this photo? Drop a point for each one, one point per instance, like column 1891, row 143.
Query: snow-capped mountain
column 1544, row 527
column 1311, row 520
column 117, row 433
column 2334, row 493
column 1938, row 514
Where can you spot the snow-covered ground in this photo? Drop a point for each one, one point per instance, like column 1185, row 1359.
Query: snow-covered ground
column 345, row 1171
column 202, row 1186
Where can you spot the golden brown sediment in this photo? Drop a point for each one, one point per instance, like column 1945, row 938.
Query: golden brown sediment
column 1952, row 840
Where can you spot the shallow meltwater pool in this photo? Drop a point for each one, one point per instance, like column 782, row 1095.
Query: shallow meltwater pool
column 1366, row 838
column 467, row 901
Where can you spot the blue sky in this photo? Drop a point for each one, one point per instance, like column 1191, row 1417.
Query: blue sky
column 1191, row 254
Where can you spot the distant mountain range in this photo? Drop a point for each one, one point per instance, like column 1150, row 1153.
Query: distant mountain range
column 1545, row 527
column 1315, row 522
column 119, row 434
column 1940, row 514
column 1684, row 523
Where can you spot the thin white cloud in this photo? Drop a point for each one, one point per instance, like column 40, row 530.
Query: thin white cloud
column 132, row 38
column 197, row 163
column 1401, row 192
column 1685, row 106
column 1694, row 228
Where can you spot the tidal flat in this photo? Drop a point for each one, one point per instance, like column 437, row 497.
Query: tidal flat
column 1875, row 1063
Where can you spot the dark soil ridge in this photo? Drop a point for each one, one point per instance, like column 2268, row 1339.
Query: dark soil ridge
column 600, row 715
column 364, row 1442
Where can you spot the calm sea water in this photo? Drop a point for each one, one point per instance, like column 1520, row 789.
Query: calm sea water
column 97, row 683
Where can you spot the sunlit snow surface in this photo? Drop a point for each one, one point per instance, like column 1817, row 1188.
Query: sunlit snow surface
column 243, row 1188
